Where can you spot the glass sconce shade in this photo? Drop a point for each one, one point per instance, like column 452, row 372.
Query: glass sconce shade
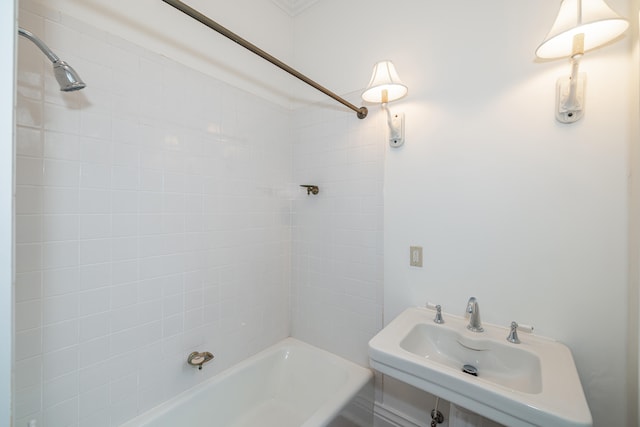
column 385, row 84
column 593, row 18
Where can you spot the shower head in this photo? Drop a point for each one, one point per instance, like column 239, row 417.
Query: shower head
column 66, row 76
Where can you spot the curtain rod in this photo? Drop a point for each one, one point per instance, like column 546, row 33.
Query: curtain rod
column 361, row 111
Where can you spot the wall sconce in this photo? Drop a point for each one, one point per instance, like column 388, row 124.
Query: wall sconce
column 385, row 86
column 581, row 25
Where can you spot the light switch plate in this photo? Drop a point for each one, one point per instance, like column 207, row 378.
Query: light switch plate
column 415, row 256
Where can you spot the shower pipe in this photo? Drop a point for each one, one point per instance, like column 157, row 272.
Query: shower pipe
column 67, row 77
column 361, row 111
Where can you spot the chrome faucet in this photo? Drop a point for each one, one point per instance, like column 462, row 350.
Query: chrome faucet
column 475, row 325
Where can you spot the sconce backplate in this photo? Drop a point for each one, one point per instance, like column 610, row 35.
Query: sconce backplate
column 396, row 130
column 570, row 115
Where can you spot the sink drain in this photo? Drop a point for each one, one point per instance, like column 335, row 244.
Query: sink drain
column 470, row 369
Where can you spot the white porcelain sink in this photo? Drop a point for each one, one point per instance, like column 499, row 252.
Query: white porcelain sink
column 501, row 363
column 534, row 383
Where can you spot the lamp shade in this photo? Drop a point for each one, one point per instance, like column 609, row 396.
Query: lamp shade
column 593, row 18
column 385, row 84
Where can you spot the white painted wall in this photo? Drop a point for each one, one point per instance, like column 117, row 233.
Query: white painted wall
column 7, row 90
column 528, row 215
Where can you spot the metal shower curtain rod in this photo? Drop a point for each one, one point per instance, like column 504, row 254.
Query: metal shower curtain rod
column 361, row 111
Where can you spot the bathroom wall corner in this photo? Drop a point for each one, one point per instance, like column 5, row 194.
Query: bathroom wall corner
column 7, row 97
column 633, row 356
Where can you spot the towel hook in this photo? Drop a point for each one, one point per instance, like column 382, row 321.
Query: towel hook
column 311, row 189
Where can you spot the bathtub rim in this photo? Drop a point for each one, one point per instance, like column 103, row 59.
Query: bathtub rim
column 357, row 377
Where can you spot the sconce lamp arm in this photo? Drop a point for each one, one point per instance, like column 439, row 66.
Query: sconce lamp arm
column 571, row 103
column 396, row 127
column 386, row 110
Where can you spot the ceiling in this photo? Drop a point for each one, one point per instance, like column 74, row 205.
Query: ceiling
column 294, row 7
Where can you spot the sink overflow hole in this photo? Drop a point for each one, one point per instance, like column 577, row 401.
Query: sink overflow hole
column 470, row 369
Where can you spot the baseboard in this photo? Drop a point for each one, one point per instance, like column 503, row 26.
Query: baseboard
column 360, row 411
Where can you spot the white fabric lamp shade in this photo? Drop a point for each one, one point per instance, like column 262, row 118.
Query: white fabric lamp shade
column 384, row 82
column 593, row 18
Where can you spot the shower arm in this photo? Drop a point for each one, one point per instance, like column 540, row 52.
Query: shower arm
column 361, row 111
column 43, row 47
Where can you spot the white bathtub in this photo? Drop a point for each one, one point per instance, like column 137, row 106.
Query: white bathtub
column 290, row 384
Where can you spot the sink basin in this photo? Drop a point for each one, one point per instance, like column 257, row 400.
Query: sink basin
column 534, row 383
column 501, row 363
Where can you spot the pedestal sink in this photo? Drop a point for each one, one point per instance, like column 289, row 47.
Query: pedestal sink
column 534, row 383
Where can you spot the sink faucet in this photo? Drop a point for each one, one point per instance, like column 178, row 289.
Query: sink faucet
column 473, row 310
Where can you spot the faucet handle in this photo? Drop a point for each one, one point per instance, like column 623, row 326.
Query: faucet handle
column 438, row 308
column 438, row 319
column 513, row 334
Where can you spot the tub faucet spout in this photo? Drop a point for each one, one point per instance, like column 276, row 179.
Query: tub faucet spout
column 475, row 325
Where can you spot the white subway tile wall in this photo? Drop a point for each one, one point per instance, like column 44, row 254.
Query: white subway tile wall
column 153, row 218
column 337, row 254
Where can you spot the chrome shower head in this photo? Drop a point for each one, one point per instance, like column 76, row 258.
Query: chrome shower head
column 66, row 76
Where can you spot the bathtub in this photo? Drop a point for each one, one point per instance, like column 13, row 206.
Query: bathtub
column 290, row 384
